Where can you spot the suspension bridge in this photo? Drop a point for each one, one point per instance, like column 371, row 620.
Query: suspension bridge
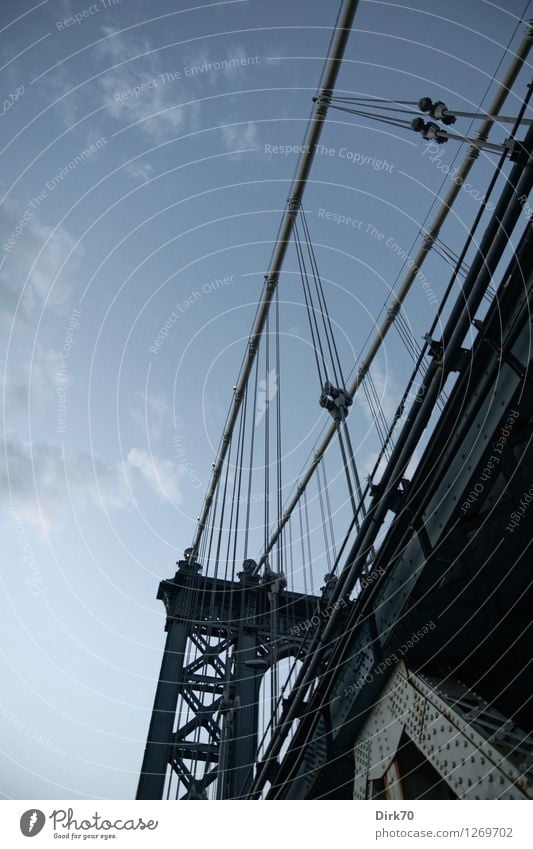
column 406, row 673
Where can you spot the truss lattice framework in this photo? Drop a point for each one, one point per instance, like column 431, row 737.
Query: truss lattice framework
column 222, row 636
column 435, row 736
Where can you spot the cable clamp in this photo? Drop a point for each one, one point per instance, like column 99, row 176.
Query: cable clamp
column 275, row 581
column 294, row 205
column 429, row 130
column 336, row 401
column 437, row 110
column 322, row 104
column 271, row 281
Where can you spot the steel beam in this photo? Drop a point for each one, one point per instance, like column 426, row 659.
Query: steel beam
column 157, row 751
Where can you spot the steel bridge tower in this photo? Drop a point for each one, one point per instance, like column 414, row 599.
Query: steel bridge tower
column 222, row 637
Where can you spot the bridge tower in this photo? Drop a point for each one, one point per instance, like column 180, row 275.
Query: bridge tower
column 222, row 637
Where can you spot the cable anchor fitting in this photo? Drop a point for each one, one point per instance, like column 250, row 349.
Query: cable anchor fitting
column 429, row 130
column 336, row 401
column 322, row 103
column 275, row 581
column 437, row 110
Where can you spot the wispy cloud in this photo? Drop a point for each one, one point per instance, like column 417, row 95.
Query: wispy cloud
column 388, row 391
column 141, row 87
column 143, row 90
column 39, row 385
column 240, row 136
column 33, row 258
column 152, row 414
column 42, row 481
column 139, row 170
column 162, row 476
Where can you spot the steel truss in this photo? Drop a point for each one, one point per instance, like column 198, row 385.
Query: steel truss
column 222, row 636
column 433, row 737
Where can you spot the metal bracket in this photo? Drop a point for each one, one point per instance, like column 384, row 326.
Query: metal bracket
column 336, row 401
column 436, row 109
column 322, row 104
column 505, row 356
column 429, row 130
column 294, row 205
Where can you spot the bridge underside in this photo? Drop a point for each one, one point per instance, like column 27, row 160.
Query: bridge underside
column 424, row 692
column 453, row 599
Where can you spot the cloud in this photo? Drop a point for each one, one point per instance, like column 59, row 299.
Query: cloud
column 152, row 414
column 19, row 387
column 240, row 136
column 161, row 475
column 145, row 89
column 139, row 170
column 32, row 256
column 41, row 481
column 388, row 390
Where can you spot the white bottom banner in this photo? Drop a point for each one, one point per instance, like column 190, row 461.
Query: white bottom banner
column 231, row 825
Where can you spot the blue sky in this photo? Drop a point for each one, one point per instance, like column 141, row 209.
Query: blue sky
column 144, row 169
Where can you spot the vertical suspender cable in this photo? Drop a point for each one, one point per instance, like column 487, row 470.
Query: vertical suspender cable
column 311, row 140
